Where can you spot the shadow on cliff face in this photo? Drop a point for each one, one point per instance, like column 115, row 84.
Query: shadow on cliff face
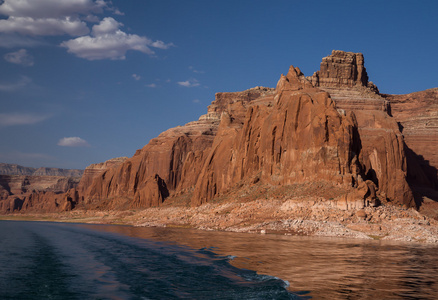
column 162, row 187
column 4, row 183
column 422, row 177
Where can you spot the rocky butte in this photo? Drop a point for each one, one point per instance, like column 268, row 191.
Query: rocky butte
column 331, row 133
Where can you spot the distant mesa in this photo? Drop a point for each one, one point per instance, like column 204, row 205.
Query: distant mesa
column 18, row 182
column 332, row 130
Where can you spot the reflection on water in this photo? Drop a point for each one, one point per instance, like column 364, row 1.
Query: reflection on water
column 43, row 260
column 328, row 268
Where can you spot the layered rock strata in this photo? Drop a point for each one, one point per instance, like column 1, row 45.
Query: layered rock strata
column 21, row 184
column 343, row 75
column 417, row 114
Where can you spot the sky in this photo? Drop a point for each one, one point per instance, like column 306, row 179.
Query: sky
column 83, row 81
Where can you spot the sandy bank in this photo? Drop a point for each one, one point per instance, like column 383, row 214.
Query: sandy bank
column 290, row 217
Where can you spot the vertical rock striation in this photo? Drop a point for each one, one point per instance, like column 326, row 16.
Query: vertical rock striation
column 304, row 138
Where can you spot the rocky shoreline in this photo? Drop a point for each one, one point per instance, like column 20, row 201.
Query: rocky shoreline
column 310, row 217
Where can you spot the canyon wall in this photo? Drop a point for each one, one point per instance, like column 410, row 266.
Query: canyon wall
column 332, row 127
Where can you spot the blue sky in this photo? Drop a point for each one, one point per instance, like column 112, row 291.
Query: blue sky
column 83, row 81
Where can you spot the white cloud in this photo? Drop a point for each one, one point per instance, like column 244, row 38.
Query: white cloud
column 152, row 85
column 189, row 83
column 44, row 26
column 50, row 17
column 107, row 41
column 13, row 86
column 20, row 57
column 39, row 18
column 73, row 142
column 107, row 25
column 50, row 8
column 136, row 77
column 13, row 119
column 197, row 101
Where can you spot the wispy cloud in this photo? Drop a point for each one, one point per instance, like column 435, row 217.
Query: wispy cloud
column 197, row 101
column 189, row 83
column 162, row 45
column 13, row 86
column 136, row 77
column 20, row 57
column 151, row 85
column 195, row 71
column 73, row 142
column 15, row 40
column 13, row 119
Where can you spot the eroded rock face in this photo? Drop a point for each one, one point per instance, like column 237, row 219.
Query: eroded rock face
column 11, row 204
column 170, row 163
column 302, row 138
column 95, row 170
column 383, row 155
column 296, row 140
column 43, row 202
column 333, row 127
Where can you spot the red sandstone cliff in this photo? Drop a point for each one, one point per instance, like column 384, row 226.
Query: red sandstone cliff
column 304, row 138
column 333, row 127
column 302, row 135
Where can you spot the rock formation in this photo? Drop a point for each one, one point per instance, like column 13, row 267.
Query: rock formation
column 333, row 127
column 18, row 184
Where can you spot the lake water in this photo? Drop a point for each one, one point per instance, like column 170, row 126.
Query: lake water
column 43, row 260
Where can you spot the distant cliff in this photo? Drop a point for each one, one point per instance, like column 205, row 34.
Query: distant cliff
column 18, row 182
column 13, row 169
column 333, row 130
